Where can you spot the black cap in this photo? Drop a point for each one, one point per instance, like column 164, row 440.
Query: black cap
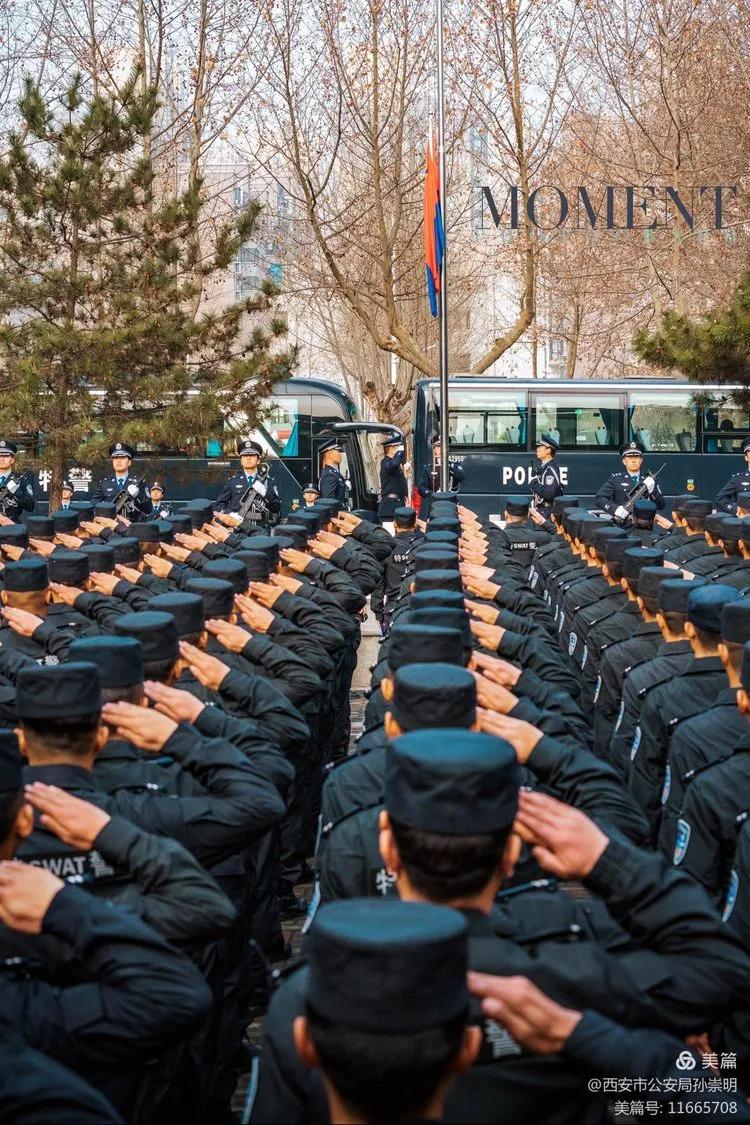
column 331, row 446
column 550, row 441
column 26, row 575
column 72, row 568
column 442, row 508
column 119, row 659
column 229, row 570
column 100, row 555
column 517, row 505
column 410, row 644
column 248, row 446
column 715, row 523
column 589, row 529
column 743, row 500
column 635, row 558
column 217, row 595
column 745, row 673
column 444, row 523
column 257, row 564
column 674, row 594
column 8, row 447
column 284, row 541
column 601, row 536
column 147, row 532
column 40, row 527
column 616, row 548
column 166, row 530
column 156, row 486
column 452, row 782
column 433, row 695
column 447, row 497
column 187, row 610
column 311, row 487
column 106, row 509
column 679, row 502
column 445, row 617
column 735, row 622
column 407, row 517
column 326, row 507
column 85, row 508
column 438, row 580
column 66, row 520
column 14, row 534
column 651, row 578
column 441, row 538
column 11, row 763
column 262, row 544
column 394, row 439
column 58, row 691
column 309, row 518
column 121, row 449
column 157, row 633
column 698, row 509
column 560, row 503
column 632, row 447
column 126, row 549
column 745, row 530
column 435, row 599
column 731, row 530
column 181, row 522
column 706, row 606
column 434, row 558
column 295, row 532
column 644, row 510
column 203, row 506
column 381, row 965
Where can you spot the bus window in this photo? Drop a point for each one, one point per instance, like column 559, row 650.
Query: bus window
column 662, row 421
column 580, row 421
column 287, row 426
column 491, row 416
column 725, row 427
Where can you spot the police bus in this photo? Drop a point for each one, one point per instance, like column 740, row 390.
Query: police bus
column 494, row 424
column 299, row 418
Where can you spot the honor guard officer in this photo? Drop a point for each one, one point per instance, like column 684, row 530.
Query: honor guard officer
column 66, row 495
column 429, row 481
column 727, row 499
column 250, row 493
column 332, row 484
column 619, row 488
column 310, row 494
column 137, row 502
column 16, row 489
column 393, row 486
column 162, row 508
column 545, row 483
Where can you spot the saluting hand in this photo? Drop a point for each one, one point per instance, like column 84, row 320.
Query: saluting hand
column 231, row 519
column 486, row 613
column 178, row 705
column 75, row 822
column 143, row 726
column 539, row 1024
column 495, row 668
column 480, row 586
column 103, row 582
column 67, row 540
column 178, row 554
column 42, row 547
column 65, row 594
column 217, row 533
column 26, row 893
column 105, row 521
column 297, row 560
column 160, row 567
column 233, row 637
column 564, row 840
column 322, row 549
column 494, row 696
column 12, row 551
column 256, row 616
column 286, row 582
column 193, row 542
column 522, row 736
column 5, row 521
column 266, row 594
column 22, row 622
column 208, row 670
column 129, row 573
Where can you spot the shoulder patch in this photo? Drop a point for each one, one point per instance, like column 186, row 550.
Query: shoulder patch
column 682, row 841
column 729, row 901
column 667, row 785
column 635, row 743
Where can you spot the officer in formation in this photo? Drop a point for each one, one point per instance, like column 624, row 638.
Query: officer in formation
column 250, row 493
column 16, row 489
column 393, row 487
column 485, row 779
column 161, row 507
column 545, row 483
column 727, row 499
column 618, row 490
column 332, row 484
column 429, row 482
column 129, row 495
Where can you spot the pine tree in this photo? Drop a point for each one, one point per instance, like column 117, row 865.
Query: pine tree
column 712, row 349
column 98, row 288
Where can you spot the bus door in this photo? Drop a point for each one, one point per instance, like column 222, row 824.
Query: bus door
column 361, row 464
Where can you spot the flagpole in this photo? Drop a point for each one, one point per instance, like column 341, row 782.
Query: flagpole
column 443, row 295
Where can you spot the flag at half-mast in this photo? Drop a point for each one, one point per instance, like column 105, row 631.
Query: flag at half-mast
column 434, row 235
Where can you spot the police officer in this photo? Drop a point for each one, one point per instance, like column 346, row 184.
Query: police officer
column 16, row 489
column 130, row 496
column 727, row 497
column 429, row 481
column 408, row 539
column 162, row 508
column 618, row 489
column 393, row 486
column 310, row 494
column 66, row 495
column 545, row 483
column 250, row 493
column 333, row 484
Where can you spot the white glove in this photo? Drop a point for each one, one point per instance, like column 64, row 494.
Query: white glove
column 622, row 513
column 12, row 486
column 650, row 484
column 406, row 466
column 260, row 487
column 132, row 489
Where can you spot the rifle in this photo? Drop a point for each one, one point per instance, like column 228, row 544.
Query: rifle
column 5, row 493
column 639, row 492
column 124, row 501
column 252, row 497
